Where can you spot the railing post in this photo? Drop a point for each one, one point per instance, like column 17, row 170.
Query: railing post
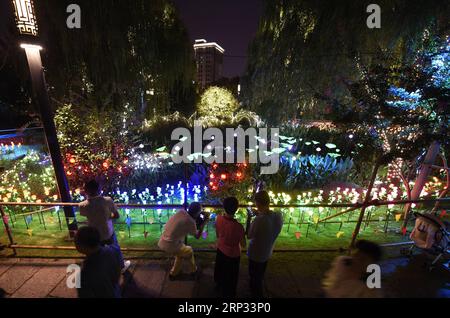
column 367, row 199
column 185, row 203
column 7, row 228
column 421, row 179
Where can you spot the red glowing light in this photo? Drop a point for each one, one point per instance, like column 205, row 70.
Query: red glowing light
column 223, row 176
column 105, row 164
column 211, row 176
column 239, row 174
column 214, row 188
column 403, row 231
column 69, row 173
column 211, row 184
column 72, row 160
column 215, row 166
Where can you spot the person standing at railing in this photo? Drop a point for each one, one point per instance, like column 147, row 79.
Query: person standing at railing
column 100, row 272
column 230, row 239
column 176, row 229
column 262, row 233
column 100, row 211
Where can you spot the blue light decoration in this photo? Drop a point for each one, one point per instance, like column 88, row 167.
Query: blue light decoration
column 439, row 72
column 403, row 99
column 167, row 194
column 440, row 66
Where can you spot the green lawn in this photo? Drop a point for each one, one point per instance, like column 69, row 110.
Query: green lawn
column 46, row 230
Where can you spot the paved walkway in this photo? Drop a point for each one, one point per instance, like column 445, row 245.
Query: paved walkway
column 286, row 277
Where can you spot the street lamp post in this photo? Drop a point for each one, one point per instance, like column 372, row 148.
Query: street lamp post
column 28, row 30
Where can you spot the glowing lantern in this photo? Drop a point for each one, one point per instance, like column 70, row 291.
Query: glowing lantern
column 223, row 176
column 25, row 17
column 211, row 176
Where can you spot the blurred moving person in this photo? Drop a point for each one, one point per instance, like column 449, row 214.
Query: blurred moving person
column 348, row 275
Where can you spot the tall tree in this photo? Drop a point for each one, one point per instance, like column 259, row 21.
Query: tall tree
column 135, row 52
column 305, row 47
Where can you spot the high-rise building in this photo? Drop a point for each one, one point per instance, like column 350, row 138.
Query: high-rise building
column 209, row 61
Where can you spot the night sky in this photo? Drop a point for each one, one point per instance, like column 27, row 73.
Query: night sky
column 230, row 23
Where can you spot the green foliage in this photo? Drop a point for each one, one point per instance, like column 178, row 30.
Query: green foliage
column 217, row 105
column 94, row 144
column 309, row 47
column 124, row 50
column 313, row 171
column 403, row 107
column 157, row 130
column 219, row 108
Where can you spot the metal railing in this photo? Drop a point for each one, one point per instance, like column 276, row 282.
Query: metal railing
column 350, row 208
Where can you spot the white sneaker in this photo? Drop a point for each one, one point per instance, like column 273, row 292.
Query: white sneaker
column 126, row 266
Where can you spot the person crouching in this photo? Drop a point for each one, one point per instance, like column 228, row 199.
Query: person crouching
column 176, row 229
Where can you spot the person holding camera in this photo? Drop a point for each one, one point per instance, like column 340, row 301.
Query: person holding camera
column 176, row 229
column 262, row 233
column 230, row 239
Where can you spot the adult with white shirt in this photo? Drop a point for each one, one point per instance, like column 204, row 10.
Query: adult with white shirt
column 262, row 233
column 100, row 212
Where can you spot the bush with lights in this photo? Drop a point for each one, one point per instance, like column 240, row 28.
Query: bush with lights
column 403, row 107
column 229, row 180
column 218, row 107
column 94, row 144
column 29, row 179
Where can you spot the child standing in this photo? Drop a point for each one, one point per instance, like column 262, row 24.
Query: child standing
column 230, row 238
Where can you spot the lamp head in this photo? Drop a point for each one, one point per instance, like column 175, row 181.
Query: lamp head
column 30, row 46
column 25, row 17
